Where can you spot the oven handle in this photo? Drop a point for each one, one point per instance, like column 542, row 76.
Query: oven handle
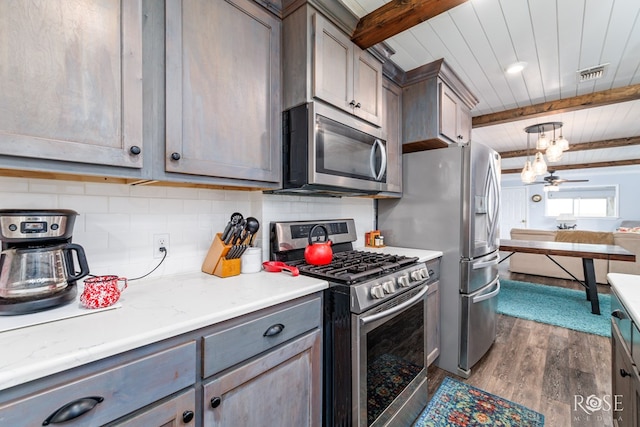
column 395, row 309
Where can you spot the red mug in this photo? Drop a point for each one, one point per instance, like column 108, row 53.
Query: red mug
column 102, row 291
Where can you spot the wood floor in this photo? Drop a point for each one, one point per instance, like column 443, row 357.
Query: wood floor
column 545, row 368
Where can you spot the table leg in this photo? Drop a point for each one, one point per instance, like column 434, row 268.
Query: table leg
column 590, row 281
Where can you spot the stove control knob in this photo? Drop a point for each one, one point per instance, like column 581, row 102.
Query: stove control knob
column 416, row 275
column 425, row 273
column 403, row 281
column 377, row 292
column 388, row 287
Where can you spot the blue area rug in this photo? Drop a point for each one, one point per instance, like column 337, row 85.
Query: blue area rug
column 456, row 404
column 567, row 308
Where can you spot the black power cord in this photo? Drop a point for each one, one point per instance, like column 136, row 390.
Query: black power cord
column 161, row 249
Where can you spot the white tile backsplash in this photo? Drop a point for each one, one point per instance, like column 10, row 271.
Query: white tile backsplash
column 116, row 222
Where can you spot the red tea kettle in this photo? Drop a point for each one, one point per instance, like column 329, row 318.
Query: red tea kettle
column 318, row 253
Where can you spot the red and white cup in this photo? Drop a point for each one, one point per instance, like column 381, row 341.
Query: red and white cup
column 102, row 291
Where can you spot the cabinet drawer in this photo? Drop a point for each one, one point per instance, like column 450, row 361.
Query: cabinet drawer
column 230, row 346
column 123, row 389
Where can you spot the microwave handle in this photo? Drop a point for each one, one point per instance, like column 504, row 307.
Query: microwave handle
column 372, row 160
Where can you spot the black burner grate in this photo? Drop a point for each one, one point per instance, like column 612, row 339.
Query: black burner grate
column 355, row 266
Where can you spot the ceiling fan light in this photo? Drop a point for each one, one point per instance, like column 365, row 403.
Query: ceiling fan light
column 539, row 165
column 527, row 175
column 554, row 152
column 551, row 188
column 563, row 143
column 542, row 143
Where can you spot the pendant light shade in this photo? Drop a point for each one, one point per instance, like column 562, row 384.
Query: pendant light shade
column 542, row 143
column 563, row 143
column 539, row 165
column 527, row 175
column 554, row 152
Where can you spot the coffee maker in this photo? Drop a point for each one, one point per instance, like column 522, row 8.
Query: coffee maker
column 38, row 260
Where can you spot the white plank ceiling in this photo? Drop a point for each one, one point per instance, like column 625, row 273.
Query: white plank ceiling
column 480, row 38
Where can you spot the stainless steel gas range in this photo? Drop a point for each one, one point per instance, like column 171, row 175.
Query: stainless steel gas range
column 375, row 314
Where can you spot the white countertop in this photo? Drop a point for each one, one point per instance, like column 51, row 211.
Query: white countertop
column 627, row 287
column 151, row 310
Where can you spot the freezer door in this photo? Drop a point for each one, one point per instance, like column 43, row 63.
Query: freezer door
column 480, row 210
column 477, row 273
column 478, row 324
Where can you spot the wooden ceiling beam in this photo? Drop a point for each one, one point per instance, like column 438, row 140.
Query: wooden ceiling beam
column 626, row 162
column 605, row 97
column 395, row 17
column 607, row 143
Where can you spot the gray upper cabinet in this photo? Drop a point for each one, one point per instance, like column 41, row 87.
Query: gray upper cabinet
column 71, row 82
column 437, row 108
column 223, row 90
column 321, row 62
column 391, row 123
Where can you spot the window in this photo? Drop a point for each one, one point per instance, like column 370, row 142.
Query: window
column 582, row 202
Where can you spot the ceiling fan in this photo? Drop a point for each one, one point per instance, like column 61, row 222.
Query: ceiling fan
column 555, row 180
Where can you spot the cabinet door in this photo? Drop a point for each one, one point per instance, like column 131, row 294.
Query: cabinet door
column 367, row 86
column 392, row 114
column 332, row 64
column 449, row 114
column 281, row 388
column 177, row 411
column 223, row 90
column 433, row 322
column 464, row 128
column 622, row 381
column 71, row 81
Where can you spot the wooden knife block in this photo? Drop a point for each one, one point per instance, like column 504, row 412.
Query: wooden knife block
column 214, row 263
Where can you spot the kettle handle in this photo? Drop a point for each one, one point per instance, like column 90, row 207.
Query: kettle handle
column 82, row 259
column 326, row 233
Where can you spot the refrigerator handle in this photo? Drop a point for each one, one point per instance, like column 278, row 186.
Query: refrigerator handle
column 480, row 265
column 493, row 195
column 491, row 294
column 383, row 161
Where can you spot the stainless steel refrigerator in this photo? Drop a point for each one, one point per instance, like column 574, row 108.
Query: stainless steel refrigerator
column 451, row 202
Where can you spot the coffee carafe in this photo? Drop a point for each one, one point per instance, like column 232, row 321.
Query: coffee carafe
column 38, row 261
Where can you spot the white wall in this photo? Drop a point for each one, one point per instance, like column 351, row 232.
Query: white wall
column 626, row 177
column 116, row 222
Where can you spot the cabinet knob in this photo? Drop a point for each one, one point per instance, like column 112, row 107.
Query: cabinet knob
column 624, row 373
column 187, row 416
column 352, row 103
column 175, row 156
column 215, row 402
column 460, row 137
column 135, row 150
column 358, row 105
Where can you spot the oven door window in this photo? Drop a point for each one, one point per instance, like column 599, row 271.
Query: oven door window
column 395, row 356
column 347, row 152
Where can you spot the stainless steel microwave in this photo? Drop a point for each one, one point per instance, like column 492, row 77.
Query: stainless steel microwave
column 329, row 152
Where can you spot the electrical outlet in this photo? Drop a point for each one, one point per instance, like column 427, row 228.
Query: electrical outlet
column 160, row 241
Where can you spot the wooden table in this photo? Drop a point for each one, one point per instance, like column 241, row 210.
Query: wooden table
column 587, row 251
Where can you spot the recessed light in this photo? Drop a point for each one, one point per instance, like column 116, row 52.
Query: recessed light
column 516, row 68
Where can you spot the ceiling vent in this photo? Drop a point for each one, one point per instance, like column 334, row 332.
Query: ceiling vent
column 592, row 73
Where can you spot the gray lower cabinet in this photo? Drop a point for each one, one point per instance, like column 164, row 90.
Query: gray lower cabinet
column 104, row 392
column 223, row 109
column 279, row 388
column 71, row 84
column 172, row 412
column 625, row 378
column 271, row 373
column 433, row 322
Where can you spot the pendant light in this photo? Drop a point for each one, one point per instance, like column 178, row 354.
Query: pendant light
column 554, row 151
column 539, row 165
column 563, row 143
column 543, row 142
column 527, row 175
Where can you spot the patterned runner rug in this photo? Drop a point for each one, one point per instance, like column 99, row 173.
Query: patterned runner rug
column 458, row 404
